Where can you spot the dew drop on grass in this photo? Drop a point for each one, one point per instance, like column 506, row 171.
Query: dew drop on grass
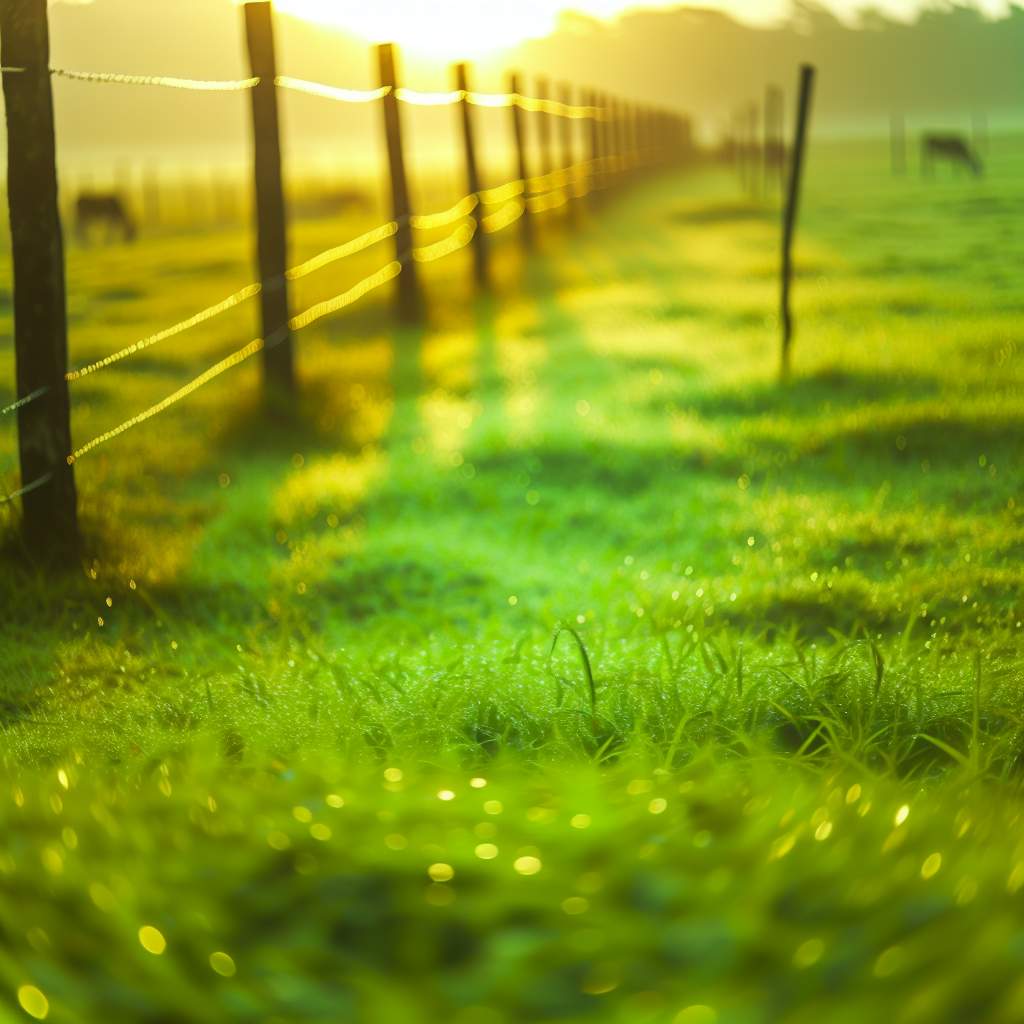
column 33, row 1002
column 528, row 865
column 223, row 965
column 152, row 940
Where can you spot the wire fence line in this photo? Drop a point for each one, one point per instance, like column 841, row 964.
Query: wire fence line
column 619, row 138
column 412, row 97
column 22, row 402
column 537, row 202
column 161, row 81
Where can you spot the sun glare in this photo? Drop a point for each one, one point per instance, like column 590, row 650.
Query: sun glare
column 447, row 29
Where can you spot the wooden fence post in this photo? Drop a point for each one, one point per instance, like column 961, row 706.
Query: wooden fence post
column 567, row 147
column 409, row 304
column 774, row 146
column 792, row 207
column 593, row 141
column 547, row 161
column 271, row 222
column 48, row 501
column 461, row 77
column 523, row 167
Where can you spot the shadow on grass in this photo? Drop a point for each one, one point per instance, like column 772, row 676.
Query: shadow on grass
column 808, row 396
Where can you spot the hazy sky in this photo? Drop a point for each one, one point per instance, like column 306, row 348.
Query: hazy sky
column 476, row 26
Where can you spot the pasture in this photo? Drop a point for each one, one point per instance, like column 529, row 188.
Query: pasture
column 298, row 737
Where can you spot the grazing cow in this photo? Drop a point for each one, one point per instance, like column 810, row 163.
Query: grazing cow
column 952, row 148
column 103, row 208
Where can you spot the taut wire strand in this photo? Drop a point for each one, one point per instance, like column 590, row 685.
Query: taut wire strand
column 27, row 489
column 463, row 208
column 340, row 252
column 22, row 402
column 458, row 239
column 330, row 92
column 246, row 293
column 154, row 410
column 346, row 298
column 164, row 81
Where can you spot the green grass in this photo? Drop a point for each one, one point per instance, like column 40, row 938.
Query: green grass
column 766, row 594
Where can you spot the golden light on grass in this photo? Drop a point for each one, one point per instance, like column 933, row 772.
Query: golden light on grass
column 152, row 940
column 441, row 872
column 33, row 1002
column 222, row 964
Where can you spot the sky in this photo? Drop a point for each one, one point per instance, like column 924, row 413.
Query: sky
column 474, row 27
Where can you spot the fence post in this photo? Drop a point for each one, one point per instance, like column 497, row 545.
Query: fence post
column 547, row 162
column 519, row 136
column 792, row 207
column 271, row 224
column 48, row 501
column 773, row 142
column 461, row 76
column 567, row 145
column 409, row 305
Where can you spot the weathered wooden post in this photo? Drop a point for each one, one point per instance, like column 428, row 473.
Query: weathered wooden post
column 461, row 79
column 523, row 167
column 48, row 498
column 603, row 133
column 271, row 221
column 774, row 145
column 593, row 139
column 409, row 304
column 792, row 208
column 568, row 155
column 756, row 149
column 567, row 158
column 547, row 161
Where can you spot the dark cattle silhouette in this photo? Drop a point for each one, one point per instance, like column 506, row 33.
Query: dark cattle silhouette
column 952, row 148
column 105, row 209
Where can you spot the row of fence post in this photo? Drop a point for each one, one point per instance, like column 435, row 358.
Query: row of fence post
column 44, row 422
column 758, row 146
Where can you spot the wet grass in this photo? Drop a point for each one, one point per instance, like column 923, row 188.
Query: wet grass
column 786, row 612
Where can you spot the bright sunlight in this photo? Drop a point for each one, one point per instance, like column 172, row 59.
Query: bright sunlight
column 465, row 28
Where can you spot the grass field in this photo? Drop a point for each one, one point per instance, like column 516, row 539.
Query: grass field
column 298, row 745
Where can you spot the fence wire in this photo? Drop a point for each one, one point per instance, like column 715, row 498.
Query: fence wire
column 503, row 218
column 27, row 489
column 463, row 208
column 413, row 97
column 458, row 239
column 210, row 313
column 357, row 245
column 233, row 360
column 330, row 92
column 22, row 402
column 502, row 193
column 163, row 81
column 346, row 298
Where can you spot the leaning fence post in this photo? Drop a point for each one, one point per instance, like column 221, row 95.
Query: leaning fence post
column 48, row 501
column 271, row 223
column 409, row 307
column 461, row 75
column 792, row 207
column 519, row 137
